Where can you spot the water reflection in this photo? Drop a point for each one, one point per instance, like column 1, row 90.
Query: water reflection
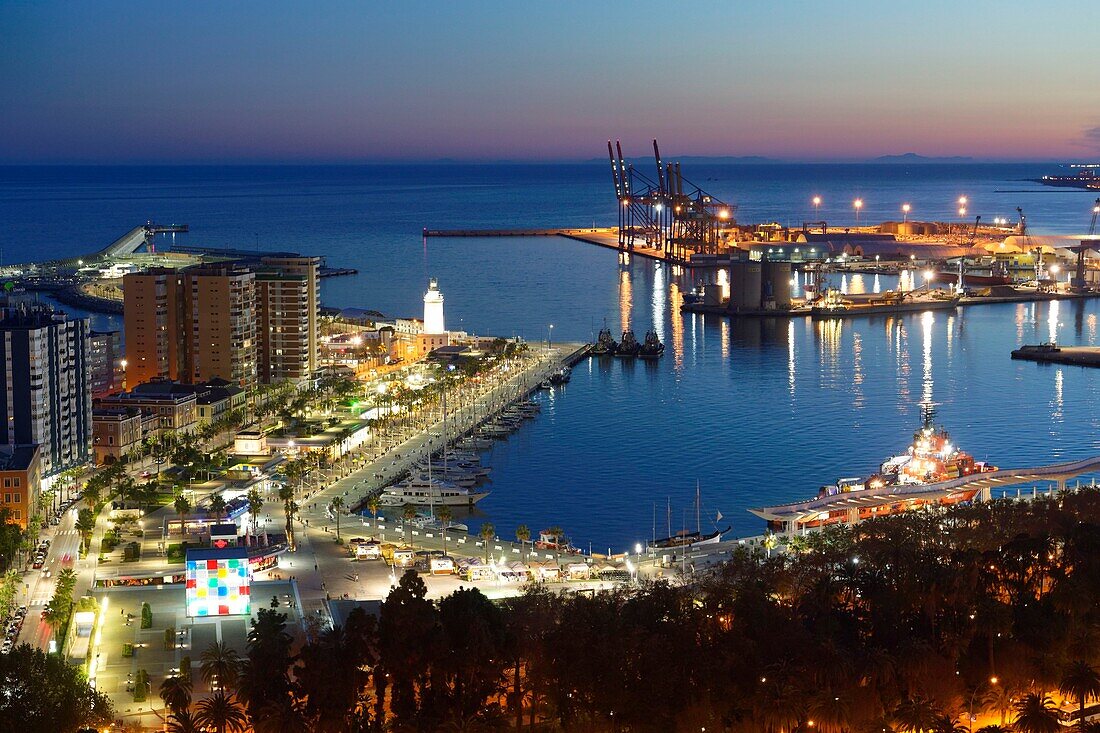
column 877, row 287
column 791, row 370
column 660, row 300
column 676, row 300
column 858, row 287
column 626, row 298
column 1056, row 412
column 926, row 320
column 857, row 370
column 1053, row 309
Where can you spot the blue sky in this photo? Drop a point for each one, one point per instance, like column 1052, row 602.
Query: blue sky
column 358, row 81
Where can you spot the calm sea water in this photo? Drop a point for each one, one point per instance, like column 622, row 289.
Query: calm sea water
column 751, row 411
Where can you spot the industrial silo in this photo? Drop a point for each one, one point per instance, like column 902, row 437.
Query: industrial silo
column 777, row 285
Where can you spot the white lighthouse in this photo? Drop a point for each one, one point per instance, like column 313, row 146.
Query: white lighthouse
column 433, row 310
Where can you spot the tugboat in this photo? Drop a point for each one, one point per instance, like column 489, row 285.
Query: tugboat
column 652, row 348
column 605, row 345
column 629, row 346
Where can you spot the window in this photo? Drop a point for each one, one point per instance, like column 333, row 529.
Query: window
column 7, row 483
column 18, row 498
column 7, row 498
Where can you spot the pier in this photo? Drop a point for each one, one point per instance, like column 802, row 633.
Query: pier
column 359, row 486
column 606, row 237
column 1049, row 353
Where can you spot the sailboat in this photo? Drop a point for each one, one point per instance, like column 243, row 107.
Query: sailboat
column 687, row 538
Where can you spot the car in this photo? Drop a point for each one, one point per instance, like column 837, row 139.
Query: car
column 37, row 564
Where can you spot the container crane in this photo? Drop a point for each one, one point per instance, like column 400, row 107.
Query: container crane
column 1078, row 282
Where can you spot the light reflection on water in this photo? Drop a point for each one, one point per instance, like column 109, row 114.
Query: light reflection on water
column 763, row 410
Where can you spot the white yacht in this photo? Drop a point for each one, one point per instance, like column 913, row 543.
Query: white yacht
column 435, row 493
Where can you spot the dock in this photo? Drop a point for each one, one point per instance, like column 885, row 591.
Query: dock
column 1085, row 356
column 399, row 459
column 606, row 237
column 965, row 301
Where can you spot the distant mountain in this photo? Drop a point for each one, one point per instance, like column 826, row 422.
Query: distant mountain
column 919, row 159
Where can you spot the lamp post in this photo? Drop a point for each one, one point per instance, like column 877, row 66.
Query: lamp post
column 857, row 205
column 905, row 212
column 549, row 333
column 817, row 204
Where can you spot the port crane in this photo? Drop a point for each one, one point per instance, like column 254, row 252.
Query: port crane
column 668, row 213
column 1078, row 282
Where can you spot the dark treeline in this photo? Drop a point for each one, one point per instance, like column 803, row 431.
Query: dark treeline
column 909, row 623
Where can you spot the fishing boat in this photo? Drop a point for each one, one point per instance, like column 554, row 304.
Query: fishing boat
column 629, row 346
column 652, row 348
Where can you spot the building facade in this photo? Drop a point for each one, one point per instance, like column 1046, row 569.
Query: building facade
column 288, row 303
column 224, row 321
column 21, row 481
column 46, row 398
column 116, row 432
column 174, row 406
column 104, row 358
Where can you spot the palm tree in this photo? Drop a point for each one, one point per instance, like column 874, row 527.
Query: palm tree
column 916, row 716
column 175, row 691
column 408, row 513
column 183, row 508
column 337, row 507
column 487, row 533
column 217, row 505
column 220, row 665
column 223, row 713
column 523, row 534
column 1036, row 714
column 1081, row 681
column 373, row 505
column 184, row 721
column 445, row 516
column 992, row 729
column 255, row 506
column 290, row 508
column 282, row 716
column 85, row 524
column 1000, row 698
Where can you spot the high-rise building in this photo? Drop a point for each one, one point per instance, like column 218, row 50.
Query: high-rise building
column 192, row 325
column 104, row 357
column 433, row 310
column 46, row 398
column 153, row 317
column 288, row 305
column 221, row 318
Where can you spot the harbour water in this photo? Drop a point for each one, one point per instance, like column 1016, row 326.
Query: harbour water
column 755, row 411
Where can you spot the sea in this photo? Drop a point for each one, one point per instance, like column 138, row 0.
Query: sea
column 742, row 413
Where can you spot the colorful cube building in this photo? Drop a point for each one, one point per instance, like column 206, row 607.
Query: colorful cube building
column 218, row 582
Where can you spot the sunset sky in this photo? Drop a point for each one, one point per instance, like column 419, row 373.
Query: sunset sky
column 270, row 81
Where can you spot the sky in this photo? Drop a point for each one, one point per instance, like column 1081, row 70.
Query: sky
column 278, row 82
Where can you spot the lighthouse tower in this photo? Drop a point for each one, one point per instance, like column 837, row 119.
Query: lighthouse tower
column 433, row 310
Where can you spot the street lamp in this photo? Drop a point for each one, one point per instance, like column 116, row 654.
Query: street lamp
column 905, row 212
column 817, row 204
column 857, row 204
column 549, row 333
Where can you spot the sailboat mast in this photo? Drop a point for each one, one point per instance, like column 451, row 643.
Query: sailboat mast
column 669, row 513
